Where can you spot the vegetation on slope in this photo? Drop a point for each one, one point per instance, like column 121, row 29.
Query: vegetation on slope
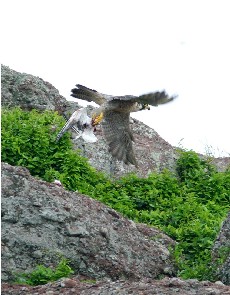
column 29, row 140
column 42, row 275
column 189, row 205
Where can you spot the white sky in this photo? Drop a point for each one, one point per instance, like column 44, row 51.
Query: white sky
column 132, row 47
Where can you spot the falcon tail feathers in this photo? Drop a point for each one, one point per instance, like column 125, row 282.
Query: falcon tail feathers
column 123, row 152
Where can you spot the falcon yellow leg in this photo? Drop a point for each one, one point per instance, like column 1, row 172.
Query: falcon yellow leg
column 96, row 119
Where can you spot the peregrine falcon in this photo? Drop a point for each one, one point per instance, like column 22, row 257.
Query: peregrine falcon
column 114, row 111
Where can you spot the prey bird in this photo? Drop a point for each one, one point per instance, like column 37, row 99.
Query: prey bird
column 81, row 124
column 114, row 114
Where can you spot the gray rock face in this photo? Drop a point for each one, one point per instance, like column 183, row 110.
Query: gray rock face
column 153, row 153
column 30, row 92
column 222, row 248
column 41, row 221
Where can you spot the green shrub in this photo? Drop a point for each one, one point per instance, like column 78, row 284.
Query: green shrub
column 42, row 275
column 29, row 140
column 188, row 206
column 189, row 209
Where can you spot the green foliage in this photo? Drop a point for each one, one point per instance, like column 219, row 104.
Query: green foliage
column 42, row 275
column 29, row 140
column 189, row 206
column 190, row 167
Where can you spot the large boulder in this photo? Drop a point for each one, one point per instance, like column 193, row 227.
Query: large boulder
column 31, row 92
column 152, row 152
column 42, row 221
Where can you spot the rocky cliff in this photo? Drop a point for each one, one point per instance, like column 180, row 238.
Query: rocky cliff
column 153, row 153
column 41, row 221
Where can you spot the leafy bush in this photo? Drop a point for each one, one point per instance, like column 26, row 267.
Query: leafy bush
column 42, row 275
column 29, row 140
column 189, row 206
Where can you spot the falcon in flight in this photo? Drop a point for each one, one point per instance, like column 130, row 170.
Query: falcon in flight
column 114, row 112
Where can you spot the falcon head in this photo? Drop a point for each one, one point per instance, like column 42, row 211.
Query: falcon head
column 142, row 106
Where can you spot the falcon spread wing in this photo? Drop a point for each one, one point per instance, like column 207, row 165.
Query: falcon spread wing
column 152, row 98
column 116, row 114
